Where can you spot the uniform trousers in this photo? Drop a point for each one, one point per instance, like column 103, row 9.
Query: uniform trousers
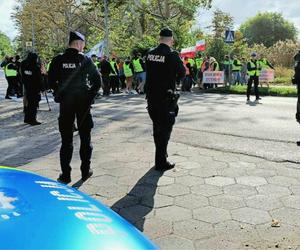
column 79, row 108
column 163, row 122
column 255, row 80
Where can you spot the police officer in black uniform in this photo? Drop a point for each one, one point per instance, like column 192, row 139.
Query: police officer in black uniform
column 31, row 78
column 75, row 81
column 163, row 67
column 296, row 80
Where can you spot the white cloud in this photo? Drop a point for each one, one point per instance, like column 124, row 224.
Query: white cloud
column 6, row 22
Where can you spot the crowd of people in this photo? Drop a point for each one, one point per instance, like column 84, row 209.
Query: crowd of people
column 129, row 75
column 236, row 70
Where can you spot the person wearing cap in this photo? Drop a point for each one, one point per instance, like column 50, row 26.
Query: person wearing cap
column 254, row 68
column 75, row 81
column 163, row 66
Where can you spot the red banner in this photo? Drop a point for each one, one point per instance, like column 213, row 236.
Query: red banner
column 188, row 52
column 200, row 45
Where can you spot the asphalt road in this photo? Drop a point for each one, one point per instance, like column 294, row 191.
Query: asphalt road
column 223, row 122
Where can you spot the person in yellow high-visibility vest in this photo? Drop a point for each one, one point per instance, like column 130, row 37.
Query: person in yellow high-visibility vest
column 114, row 76
column 128, row 72
column 236, row 70
column 11, row 72
column 139, row 72
column 254, row 69
column 265, row 64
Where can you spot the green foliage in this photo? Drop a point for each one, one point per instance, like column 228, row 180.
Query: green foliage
column 218, row 49
column 5, row 45
column 280, row 54
column 220, row 23
column 264, row 91
column 268, row 28
column 132, row 23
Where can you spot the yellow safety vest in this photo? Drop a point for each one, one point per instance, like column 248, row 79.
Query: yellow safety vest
column 264, row 63
column 192, row 62
column 254, row 72
column 114, row 73
column 127, row 70
column 10, row 72
column 236, row 68
column 199, row 62
column 48, row 66
column 137, row 65
column 97, row 63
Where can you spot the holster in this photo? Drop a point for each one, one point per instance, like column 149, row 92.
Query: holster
column 172, row 101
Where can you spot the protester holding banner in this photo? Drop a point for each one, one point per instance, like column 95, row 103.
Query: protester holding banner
column 265, row 65
column 213, row 66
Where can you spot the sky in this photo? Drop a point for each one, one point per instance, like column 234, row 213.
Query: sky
column 6, row 23
column 241, row 10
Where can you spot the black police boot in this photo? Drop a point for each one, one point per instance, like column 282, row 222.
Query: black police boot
column 34, row 123
column 7, row 97
column 164, row 167
column 64, row 178
column 86, row 175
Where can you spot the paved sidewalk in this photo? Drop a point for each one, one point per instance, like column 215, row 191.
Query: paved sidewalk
column 212, row 200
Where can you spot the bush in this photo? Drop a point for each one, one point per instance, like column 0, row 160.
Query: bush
column 289, row 91
column 283, row 75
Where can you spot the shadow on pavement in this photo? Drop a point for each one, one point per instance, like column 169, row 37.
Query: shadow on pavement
column 139, row 202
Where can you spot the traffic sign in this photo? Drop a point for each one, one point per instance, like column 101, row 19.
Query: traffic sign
column 229, row 36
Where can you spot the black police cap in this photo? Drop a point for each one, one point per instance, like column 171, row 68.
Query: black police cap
column 166, row 32
column 75, row 35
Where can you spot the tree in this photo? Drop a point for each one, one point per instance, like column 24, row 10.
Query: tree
column 221, row 21
column 5, row 45
column 268, row 28
column 216, row 45
column 132, row 23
